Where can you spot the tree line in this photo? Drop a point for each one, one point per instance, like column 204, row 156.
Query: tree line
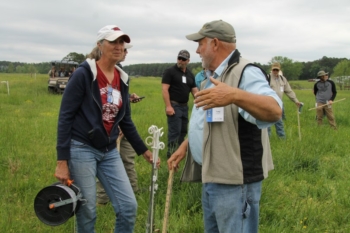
column 293, row 70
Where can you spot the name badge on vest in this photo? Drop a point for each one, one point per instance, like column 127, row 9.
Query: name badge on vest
column 183, row 79
column 282, row 89
column 215, row 114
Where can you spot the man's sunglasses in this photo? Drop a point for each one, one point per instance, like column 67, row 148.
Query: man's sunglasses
column 276, row 70
column 182, row 59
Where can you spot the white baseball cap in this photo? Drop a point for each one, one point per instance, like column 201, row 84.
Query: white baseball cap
column 111, row 33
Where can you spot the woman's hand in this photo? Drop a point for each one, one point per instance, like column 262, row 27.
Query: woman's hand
column 62, row 171
column 149, row 157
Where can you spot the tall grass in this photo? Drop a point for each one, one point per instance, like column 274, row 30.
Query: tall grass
column 307, row 191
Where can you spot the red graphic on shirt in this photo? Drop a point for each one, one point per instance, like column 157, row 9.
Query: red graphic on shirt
column 111, row 102
column 110, row 97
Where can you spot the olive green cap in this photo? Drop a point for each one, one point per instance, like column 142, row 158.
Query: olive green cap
column 215, row 29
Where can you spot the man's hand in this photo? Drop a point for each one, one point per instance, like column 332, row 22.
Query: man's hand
column 177, row 156
column 149, row 157
column 62, row 171
column 218, row 96
column 170, row 111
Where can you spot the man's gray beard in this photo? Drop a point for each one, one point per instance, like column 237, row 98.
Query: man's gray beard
column 206, row 64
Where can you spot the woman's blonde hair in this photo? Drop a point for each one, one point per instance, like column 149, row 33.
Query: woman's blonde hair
column 95, row 54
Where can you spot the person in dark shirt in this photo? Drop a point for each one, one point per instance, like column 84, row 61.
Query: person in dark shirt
column 177, row 83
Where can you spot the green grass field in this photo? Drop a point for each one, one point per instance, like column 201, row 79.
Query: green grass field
column 307, row 191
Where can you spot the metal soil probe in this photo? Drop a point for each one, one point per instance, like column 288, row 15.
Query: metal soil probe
column 156, row 145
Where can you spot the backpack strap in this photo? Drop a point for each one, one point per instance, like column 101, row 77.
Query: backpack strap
column 268, row 78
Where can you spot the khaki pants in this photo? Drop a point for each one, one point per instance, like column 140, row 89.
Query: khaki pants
column 329, row 113
column 127, row 154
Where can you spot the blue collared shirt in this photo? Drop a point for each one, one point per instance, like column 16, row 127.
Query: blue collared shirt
column 253, row 80
column 199, row 78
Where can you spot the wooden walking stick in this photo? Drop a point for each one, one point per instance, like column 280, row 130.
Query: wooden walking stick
column 168, row 199
column 118, row 143
column 298, row 112
column 119, row 139
column 327, row 104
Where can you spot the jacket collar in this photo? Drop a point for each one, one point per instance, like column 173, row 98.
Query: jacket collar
column 234, row 58
column 92, row 64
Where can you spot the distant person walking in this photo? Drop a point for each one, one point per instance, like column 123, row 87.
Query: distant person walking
column 280, row 85
column 177, row 83
column 325, row 92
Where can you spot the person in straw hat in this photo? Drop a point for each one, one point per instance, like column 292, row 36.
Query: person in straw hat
column 280, row 85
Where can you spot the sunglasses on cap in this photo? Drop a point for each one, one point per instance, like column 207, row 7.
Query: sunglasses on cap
column 182, row 59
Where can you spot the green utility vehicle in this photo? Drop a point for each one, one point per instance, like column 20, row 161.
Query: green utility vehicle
column 59, row 75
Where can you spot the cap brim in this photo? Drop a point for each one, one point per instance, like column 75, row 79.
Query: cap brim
column 127, row 46
column 116, row 35
column 195, row 36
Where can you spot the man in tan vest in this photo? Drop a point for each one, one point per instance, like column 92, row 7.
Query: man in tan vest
column 227, row 132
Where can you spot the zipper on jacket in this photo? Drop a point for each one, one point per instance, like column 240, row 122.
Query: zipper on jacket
column 109, row 138
column 117, row 121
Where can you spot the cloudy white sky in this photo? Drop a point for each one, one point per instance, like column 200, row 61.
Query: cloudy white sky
column 302, row 30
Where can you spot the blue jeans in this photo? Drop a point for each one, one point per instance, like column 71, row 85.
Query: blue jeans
column 84, row 165
column 279, row 129
column 231, row 208
column 283, row 115
column 177, row 127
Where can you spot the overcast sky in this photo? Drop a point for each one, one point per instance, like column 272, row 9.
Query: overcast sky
column 302, row 30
